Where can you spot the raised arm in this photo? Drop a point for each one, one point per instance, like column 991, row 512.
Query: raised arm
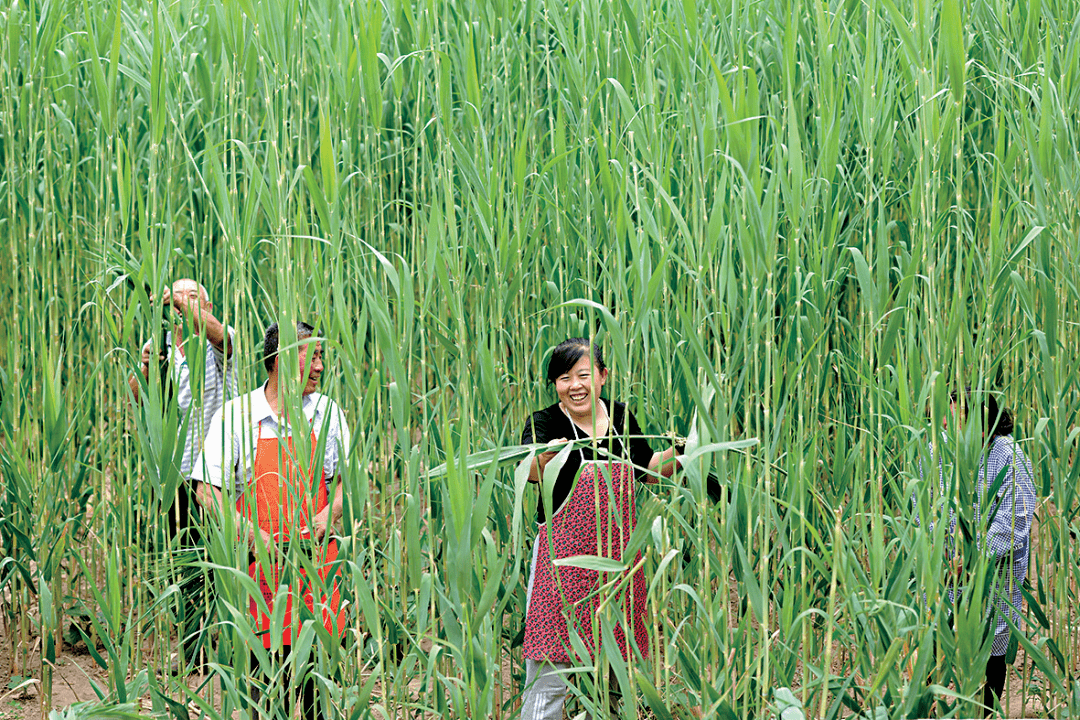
column 199, row 311
column 215, row 332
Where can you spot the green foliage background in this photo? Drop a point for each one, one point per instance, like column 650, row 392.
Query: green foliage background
column 803, row 222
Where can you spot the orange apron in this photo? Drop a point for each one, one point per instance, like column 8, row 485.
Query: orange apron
column 283, row 498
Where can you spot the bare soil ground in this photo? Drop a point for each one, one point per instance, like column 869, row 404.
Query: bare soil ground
column 73, row 676
column 76, row 672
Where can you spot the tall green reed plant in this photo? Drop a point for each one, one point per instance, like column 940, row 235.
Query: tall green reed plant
column 802, row 222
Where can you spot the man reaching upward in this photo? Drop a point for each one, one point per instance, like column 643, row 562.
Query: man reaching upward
column 197, row 340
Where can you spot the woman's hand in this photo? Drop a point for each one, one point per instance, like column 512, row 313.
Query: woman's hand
column 548, row 455
column 536, row 472
column 663, row 463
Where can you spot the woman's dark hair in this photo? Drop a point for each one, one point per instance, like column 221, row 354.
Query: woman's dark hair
column 270, row 342
column 996, row 419
column 568, row 352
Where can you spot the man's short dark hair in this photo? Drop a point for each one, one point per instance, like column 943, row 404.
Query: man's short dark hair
column 270, row 342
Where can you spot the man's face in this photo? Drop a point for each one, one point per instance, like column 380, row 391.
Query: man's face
column 191, row 294
column 311, row 366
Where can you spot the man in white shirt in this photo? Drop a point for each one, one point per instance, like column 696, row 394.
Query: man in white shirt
column 273, row 460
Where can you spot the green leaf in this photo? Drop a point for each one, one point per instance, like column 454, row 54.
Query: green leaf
column 952, row 45
column 720, row 447
column 591, row 562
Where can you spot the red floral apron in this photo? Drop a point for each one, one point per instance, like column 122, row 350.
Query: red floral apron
column 586, row 524
column 282, row 497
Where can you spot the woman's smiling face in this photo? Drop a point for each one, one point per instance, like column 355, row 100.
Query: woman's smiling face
column 579, row 387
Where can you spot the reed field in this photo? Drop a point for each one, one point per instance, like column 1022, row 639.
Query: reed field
column 795, row 226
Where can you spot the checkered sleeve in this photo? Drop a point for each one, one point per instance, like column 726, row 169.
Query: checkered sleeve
column 1008, row 532
column 1012, row 512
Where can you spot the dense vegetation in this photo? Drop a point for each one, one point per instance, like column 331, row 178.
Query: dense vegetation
column 801, row 222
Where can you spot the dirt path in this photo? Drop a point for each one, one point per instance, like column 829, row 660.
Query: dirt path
column 76, row 672
column 72, row 683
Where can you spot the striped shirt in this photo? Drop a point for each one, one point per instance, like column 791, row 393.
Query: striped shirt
column 1007, row 537
column 199, row 403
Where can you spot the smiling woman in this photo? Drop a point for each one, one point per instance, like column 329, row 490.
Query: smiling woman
column 592, row 514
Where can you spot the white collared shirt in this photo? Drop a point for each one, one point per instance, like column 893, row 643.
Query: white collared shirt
column 228, row 456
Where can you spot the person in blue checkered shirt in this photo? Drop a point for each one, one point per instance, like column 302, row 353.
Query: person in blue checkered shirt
column 1007, row 537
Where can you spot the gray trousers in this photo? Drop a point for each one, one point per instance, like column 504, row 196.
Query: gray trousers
column 545, row 690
